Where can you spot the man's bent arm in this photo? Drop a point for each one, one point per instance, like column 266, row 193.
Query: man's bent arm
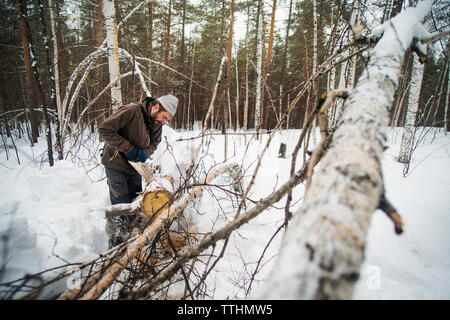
column 110, row 127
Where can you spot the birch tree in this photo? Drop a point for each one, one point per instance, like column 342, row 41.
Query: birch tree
column 59, row 147
column 227, row 110
column 446, row 125
column 259, row 65
column 411, row 112
column 323, row 248
column 112, row 40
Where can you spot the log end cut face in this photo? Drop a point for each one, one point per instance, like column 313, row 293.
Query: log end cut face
column 155, row 202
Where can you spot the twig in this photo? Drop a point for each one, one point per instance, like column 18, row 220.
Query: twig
column 328, row 100
column 392, row 213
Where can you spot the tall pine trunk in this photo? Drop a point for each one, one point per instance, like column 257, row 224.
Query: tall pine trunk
column 100, row 115
column 259, row 66
column 227, row 116
column 34, row 64
column 166, row 49
column 50, row 67
column 245, row 116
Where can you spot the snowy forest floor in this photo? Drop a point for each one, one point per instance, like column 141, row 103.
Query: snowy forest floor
column 53, row 216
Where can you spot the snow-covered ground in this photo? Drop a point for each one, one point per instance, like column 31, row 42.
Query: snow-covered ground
column 54, row 216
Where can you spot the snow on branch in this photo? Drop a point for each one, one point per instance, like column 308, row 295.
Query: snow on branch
column 417, row 36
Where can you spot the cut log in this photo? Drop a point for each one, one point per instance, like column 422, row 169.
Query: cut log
column 155, row 202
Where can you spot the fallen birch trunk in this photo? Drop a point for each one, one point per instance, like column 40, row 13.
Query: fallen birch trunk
column 323, row 249
column 150, row 232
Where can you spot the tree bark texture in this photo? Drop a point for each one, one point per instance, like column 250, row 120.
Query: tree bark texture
column 31, row 91
column 112, row 40
column 259, row 65
column 411, row 112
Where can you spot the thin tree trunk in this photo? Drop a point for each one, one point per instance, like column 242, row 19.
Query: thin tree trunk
column 34, row 65
column 53, row 97
column 259, row 66
column 411, row 112
column 190, row 89
column 314, row 68
column 227, row 106
column 346, row 79
column 99, row 71
column 237, row 96
column 112, row 39
column 167, row 47
column 5, row 120
column 446, row 124
column 181, row 115
column 284, row 61
column 268, row 59
column 315, row 31
column 439, row 95
column 245, row 119
column 59, row 120
column 61, row 56
column 31, row 91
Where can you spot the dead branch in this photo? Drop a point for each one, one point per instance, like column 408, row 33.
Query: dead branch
column 328, row 100
column 392, row 213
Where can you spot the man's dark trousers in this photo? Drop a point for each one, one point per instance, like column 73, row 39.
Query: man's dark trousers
column 123, row 188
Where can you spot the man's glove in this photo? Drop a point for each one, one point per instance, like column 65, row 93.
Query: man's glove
column 141, row 156
column 132, row 154
column 136, row 155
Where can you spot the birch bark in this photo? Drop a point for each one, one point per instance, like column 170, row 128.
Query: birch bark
column 59, row 146
column 112, row 40
column 411, row 112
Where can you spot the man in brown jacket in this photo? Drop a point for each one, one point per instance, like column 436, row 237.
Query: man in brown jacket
column 132, row 133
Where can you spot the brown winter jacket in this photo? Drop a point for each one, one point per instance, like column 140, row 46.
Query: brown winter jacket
column 130, row 126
